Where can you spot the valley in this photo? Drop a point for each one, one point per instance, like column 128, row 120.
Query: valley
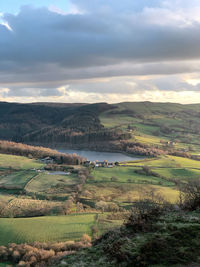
column 29, row 189
column 101, row 167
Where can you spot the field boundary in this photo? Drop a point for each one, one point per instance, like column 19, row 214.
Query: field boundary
column 30, row 181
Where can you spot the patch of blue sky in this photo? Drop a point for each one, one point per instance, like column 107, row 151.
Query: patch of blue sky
column 13, row 6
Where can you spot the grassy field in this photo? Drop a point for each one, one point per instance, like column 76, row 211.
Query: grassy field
column 123, row 184
column 128, row 192
column 17, row 179
column 167, row 162
column 182, row 174
column 45, row 229
column 116, row 120
column 52, row 185
column 126, row 175
column 18, row 162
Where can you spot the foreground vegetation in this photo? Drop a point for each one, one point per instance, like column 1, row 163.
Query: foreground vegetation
column 155, row 233
column 172, row 239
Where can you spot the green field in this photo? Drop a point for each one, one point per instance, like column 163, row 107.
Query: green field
column 181, row 174
column 167, row 162
column 127, row 192
column 46, row 184
column 17, row 179
column 25, row 191
column 18, row 162
column 45, row 229
column 126, row 175
column 123, row 184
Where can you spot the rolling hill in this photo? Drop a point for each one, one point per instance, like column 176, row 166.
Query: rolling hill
column 103, row 126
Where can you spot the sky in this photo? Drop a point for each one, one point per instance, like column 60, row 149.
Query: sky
column 100, row 51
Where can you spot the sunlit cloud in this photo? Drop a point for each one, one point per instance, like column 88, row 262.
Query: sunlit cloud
column 4, row 23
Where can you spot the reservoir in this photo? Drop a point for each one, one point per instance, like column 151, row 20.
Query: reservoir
column 100, row 156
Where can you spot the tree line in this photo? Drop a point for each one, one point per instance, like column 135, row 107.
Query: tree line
column 39, row 152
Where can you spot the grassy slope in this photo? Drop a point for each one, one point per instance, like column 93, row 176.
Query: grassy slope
column 18, row 162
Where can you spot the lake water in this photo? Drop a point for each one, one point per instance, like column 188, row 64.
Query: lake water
column 100, row 156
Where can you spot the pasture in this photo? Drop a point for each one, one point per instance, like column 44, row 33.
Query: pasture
column 17, row 179
column 167, row 162
column 52, row 185
column 126, row 175
column 181, row 174
column 18, row 162
column 127, row 192
column 45, row 229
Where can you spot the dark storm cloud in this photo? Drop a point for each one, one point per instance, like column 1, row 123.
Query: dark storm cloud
column 86, row 40
column 43, row 48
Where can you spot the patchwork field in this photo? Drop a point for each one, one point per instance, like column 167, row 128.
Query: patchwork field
column 155, row 124
column 28, row 190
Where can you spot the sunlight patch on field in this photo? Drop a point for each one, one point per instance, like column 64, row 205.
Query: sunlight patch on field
column 18, row 162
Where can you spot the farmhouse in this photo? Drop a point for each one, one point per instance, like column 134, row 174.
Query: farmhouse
column 168, row 143
column 101, row 164
column 47, row 160
column 110, row 165
column 104, row 164
column 87, row 163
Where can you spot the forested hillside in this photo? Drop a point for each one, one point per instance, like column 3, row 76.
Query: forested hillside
column 51, row 123
column 142, row 128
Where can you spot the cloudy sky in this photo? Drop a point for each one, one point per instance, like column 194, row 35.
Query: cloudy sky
column 100, row 50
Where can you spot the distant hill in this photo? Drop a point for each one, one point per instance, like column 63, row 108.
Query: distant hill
column 91, row 125
column 50, row 123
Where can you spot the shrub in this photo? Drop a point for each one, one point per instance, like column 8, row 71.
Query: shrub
column 40, row 254
column 144, row 214
column 86, row 238
column 190, row 195
column 114, row 179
